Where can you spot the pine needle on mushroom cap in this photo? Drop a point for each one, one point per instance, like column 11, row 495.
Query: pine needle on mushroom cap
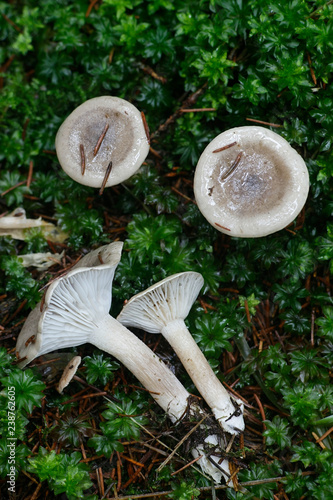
column 102, row 131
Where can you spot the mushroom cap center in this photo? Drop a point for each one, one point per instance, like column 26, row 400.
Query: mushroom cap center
column 257, row 183
column 116, row 145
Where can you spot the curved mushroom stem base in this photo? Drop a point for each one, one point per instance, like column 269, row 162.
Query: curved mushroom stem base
column 227, row 410
column 114, row 338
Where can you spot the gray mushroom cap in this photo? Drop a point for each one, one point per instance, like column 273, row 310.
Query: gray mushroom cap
column 249, row 182
column 73, row 305
column 125, row 142
column 163, row 302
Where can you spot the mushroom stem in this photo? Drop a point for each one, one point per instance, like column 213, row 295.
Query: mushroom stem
column 162, row 384
column 225, row 409
column 112, row 337
column 162, row 308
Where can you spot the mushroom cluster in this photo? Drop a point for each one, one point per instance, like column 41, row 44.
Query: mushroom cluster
column 248, row 182
column 76, row 311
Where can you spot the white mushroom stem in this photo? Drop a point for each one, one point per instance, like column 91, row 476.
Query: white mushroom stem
column 226, row 410
column 112, row 337
column 162, row 308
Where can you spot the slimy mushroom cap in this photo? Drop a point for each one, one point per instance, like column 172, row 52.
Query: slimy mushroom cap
column 125, row 142
column 249, row 182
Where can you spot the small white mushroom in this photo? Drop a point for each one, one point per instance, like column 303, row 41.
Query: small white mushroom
column 249, row 182
column 102, row 142
column 162, row 308
column 76, row 311
column 68, row 373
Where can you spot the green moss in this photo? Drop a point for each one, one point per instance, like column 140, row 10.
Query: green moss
column 266, row 306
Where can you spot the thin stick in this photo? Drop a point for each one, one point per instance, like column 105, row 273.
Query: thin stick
column 152, row 73
column 161, row 452
column 85, row 396
column 264, row 123
column 181, row 194
column 233, row 166
column 261, row 410
column 231, row 442
column 100, row 480
column 92, row 4
column 187, row 465
column 83, row 159
column 31, row 168
column 100, row 140
column 313, row 76
column 313, row 312
column 225, row 147
column 111, row 55
column 223, row 227
column 167, row 460
column 13, row 187
column 188, row 102
column 317, row 438
column 327, row 433
column 24, row 131
column 139, row 464
column 106, row 176
column 315, row 12
column 145, row 126
column 35, row 494
column 196, row 110
column 9, row 21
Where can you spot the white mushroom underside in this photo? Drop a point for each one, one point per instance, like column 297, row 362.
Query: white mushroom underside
column 76, row 306
column 262, row 194
column 171, row 298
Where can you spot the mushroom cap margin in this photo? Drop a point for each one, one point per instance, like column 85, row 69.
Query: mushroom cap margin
column 233, row 216
column 105, row 258
column 71, row 134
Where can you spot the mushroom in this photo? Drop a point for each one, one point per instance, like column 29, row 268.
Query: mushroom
column 102, row 142
column 162, row 308
column 76, row 311
column 249, row 182
column 68, row 373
